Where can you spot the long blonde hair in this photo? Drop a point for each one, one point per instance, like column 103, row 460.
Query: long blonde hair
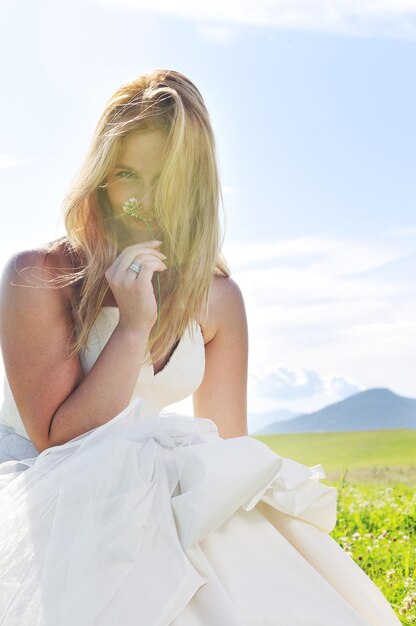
column 187, row 201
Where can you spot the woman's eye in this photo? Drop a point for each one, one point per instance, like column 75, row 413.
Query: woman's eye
column 129, row 174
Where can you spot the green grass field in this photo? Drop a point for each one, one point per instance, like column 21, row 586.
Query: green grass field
column 375, row 474
column 377, row 456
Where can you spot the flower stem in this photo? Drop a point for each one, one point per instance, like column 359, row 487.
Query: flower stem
column 158, row 281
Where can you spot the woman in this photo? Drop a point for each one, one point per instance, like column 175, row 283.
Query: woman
column 114, row 512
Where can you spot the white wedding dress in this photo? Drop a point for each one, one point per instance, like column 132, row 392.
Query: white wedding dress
column 153, row 519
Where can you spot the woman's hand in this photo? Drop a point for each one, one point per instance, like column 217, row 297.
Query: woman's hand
column 134, row 292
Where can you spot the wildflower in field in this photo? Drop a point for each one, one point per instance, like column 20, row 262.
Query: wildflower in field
column 407, row 603
column 376, row 528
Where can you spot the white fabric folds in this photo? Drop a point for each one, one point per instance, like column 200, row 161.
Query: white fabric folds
column 104, row 529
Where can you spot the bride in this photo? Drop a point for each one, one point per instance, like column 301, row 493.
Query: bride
column 113, row 510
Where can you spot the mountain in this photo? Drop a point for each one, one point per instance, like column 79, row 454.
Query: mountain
column 372, row 409
column 257, row 421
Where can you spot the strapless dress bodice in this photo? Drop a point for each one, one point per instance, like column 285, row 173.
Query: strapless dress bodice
column 179, row 378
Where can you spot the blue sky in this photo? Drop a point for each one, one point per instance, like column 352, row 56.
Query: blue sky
column 313, row 108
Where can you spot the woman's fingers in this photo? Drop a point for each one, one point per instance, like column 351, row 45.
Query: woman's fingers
column 127, row 256
column 133, row 291
column 148, row 265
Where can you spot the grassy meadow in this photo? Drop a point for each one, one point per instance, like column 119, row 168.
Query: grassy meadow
column 375, row 474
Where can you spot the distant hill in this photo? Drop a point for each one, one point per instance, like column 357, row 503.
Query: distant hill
column 257, row 421
column 372, row 409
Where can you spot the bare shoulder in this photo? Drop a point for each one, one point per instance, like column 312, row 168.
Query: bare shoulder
column 36, row 326
column 32, row 268
column 226, row 306
column 27, row 268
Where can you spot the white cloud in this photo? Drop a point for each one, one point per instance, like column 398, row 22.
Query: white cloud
column 217, row 33
column 358, row 17
column 342, row 386
column 349, row 255
column 6, row 160
column 279, row 386
column 280, row 249
column 327, row 317
column 272, row 390
column 406, row 231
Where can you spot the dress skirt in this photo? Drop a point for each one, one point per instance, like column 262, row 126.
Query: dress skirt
column 159, row 521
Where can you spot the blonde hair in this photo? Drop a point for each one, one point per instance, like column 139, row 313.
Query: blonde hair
column 187, row 201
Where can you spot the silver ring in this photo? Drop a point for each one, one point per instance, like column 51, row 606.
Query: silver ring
column 136, row 268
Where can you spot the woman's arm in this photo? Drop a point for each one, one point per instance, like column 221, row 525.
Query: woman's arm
column 55, row 400
column 222, row 395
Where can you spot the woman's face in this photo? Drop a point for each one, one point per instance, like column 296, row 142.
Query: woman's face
column 135, row 174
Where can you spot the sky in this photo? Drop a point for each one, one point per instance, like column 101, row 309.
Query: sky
column 313, row 109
